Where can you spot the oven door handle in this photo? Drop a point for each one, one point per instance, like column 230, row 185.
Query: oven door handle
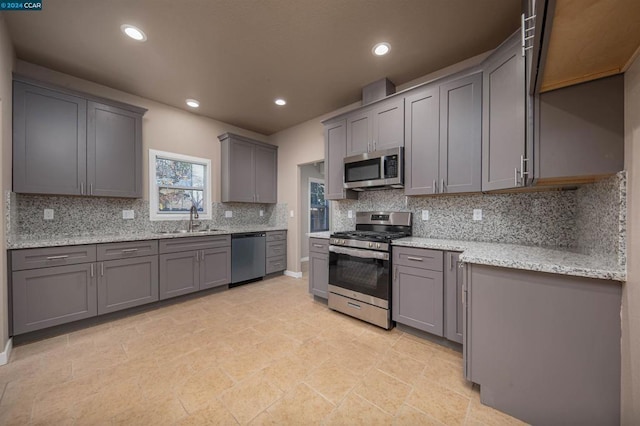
column 364, row 254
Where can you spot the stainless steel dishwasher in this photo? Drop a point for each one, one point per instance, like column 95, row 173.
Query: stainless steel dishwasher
column 248, row 252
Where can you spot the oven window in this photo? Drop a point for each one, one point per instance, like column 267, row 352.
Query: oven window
column 362, row 170
column 367, row 276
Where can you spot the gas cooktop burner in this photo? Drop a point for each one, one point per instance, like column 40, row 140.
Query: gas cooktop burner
column 374, row 230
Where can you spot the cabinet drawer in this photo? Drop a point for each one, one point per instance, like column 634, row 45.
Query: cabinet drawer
column 113, row 251
column 319, row 245
column 52, row 256
column 418, row 258
column 175, row 245
column 275, row 264
column 276, row 236
column 276, row 248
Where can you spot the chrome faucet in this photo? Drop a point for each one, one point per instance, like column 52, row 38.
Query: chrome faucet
column 193, row 214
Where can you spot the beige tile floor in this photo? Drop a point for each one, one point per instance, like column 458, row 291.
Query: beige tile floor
column 263, row 353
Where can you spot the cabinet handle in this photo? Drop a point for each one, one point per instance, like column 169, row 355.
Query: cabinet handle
column 515, row 178
column 197, row 256
column 81, row 188
column 90, row 189
column 102, row 269
column 132, row 250
column 91, row 267
column 62, row 256
column 318, row 245
column 450, row 261
column 257, row 197
column 418, row 259
column 442, row 186
column 374, row 144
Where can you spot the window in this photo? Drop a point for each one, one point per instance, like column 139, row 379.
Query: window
column 177, row 182
column 318, row 206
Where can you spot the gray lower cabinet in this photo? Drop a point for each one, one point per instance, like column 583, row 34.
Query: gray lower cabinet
column 51, row 296
column 319, row 267
column 544, row 348
column 504, row 117
column 417, row 289
column 194, row 263
column 453, row 306
column 68, row 143
column 276, row 251
column 248, row 170
column 125, row 283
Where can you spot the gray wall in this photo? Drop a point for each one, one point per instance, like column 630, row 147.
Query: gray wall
column 307, row 171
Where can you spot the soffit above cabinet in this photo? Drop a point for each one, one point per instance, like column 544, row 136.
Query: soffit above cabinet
column 590, row 39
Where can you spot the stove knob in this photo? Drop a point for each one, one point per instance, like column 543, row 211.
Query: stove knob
column 370, row 244
column 341, row 241
column 378, row 245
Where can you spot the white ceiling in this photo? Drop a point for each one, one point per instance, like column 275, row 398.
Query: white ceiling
column 237, row 56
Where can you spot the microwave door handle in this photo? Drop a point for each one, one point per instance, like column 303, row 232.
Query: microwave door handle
column 383, row 160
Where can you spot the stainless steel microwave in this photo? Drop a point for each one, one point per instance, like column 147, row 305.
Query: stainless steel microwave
column 375, row 170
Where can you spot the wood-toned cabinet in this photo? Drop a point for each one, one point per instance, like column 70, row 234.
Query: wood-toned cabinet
column 504, row 117
column 376, row 128
column 249, row 170
column 195, row 263
column 417, row 289
column 319, row 267
column 68, row 143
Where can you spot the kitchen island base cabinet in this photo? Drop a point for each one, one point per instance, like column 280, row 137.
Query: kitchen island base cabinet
column 544, row 348
column 126, row 283
column 52, row 296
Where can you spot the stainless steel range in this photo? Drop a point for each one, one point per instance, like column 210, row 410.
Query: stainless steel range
column 360, row 266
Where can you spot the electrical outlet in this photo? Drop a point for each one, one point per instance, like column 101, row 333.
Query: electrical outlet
column 261, row 213
column 425, row 214
column 48, row 214
column 228, row 213
column 128, row 214
column 291, row 213
column 350, row 214
column 477, row 214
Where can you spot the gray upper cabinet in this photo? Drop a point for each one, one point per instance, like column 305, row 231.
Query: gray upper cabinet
column 461, row 135
column 504, row 117
column 114, row 151
column 335, row 149
column 422, row 143
column 49, row 141
column 376, row 128
column 69, row 143
column 248, row 170
column 453, row 308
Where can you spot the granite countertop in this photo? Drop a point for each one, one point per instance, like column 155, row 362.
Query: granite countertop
column 553, row 260
column 34, row 241
column 323, row 234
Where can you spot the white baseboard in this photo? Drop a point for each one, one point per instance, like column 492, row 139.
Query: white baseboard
column 293, row 274
column 4, row 356
column 304, row 259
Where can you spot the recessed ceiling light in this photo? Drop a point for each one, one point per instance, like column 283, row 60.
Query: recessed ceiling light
column 133, row 32
column 193, row 103
column 381, row 49
column 280, row 102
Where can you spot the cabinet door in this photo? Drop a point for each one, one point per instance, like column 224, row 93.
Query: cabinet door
column 335, row 145
column 422, row 142
column 49, row 141
column 503, row 117
column 126, row 283
column 453, row 299
column 359, row 133
column 215, row 267
column 266, row 174
column 179, row 274
column 461, row 135
column 114, row 151
column 242, row 173
column 388, row 125
column 319, row 274
column 417, row 299
column 51, row 296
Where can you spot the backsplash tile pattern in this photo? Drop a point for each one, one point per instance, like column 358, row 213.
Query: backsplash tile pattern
column 86, row 216
column 601, row 217
column 533, row 218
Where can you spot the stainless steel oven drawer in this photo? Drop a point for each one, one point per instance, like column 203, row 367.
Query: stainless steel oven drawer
column 364, row 311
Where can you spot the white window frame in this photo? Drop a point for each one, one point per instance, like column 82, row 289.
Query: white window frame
column 154, row 214
column 322, row 181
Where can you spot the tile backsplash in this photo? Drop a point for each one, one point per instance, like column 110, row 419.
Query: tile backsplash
column 590, row 219
column 86, row 216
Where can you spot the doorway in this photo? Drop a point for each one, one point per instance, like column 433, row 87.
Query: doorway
column 314, row 209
